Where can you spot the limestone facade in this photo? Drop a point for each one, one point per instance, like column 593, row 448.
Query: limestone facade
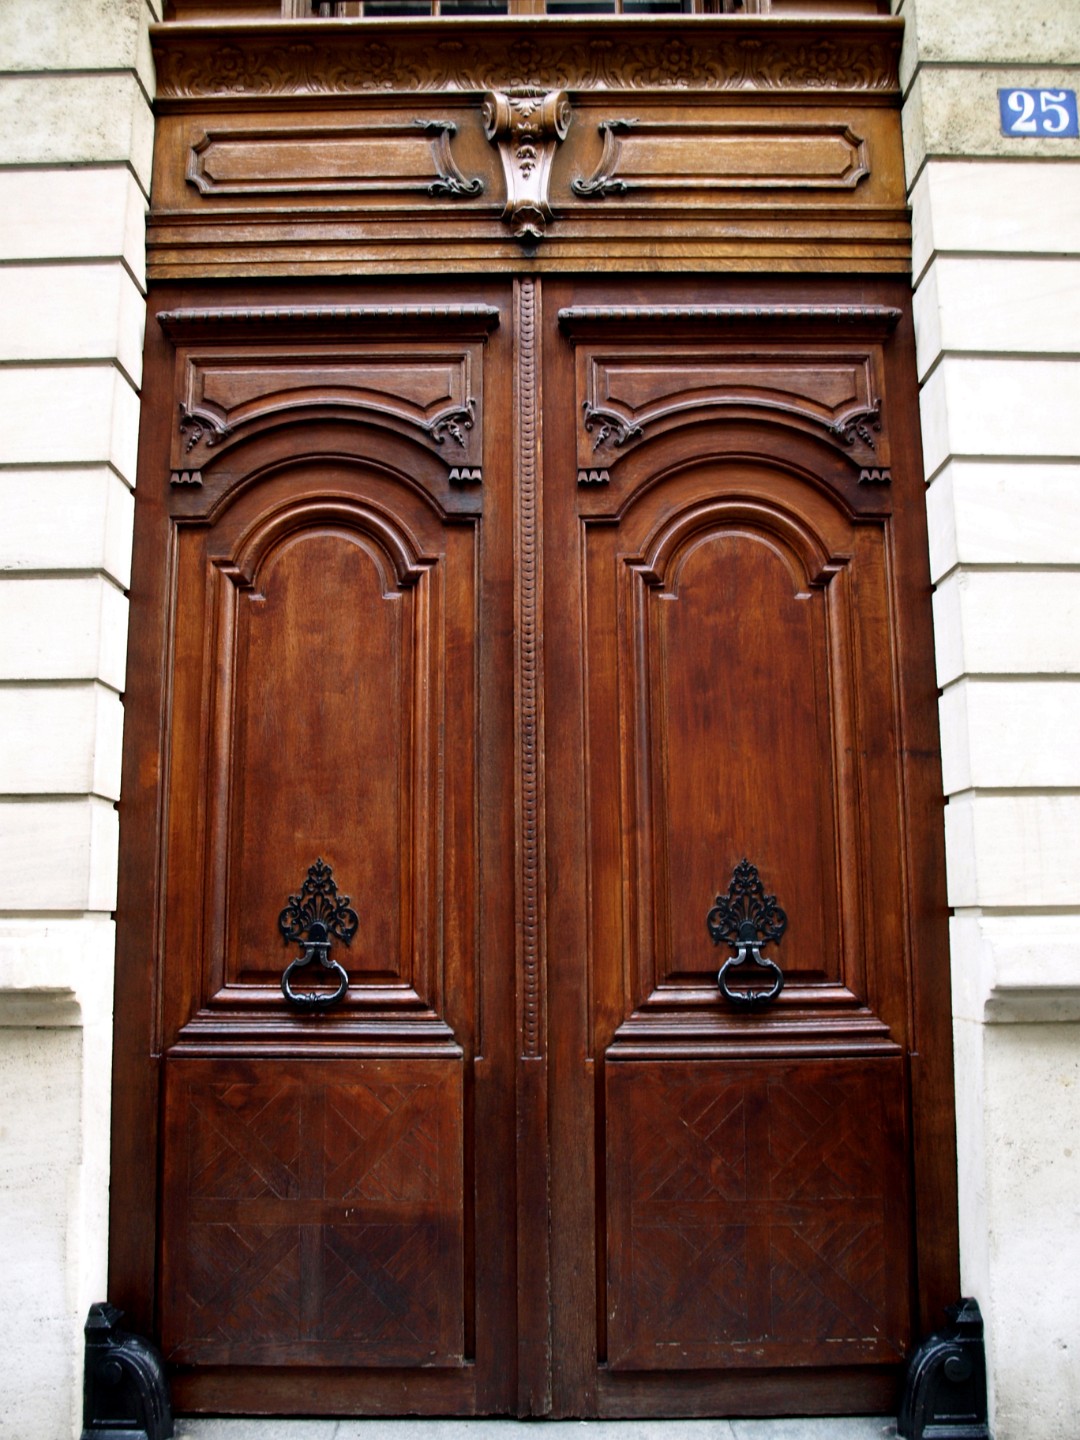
column 997, row 309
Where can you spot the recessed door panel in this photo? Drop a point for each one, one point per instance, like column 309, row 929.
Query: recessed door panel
column 757, row 1214
column 725, row 633
column 322, row 690
column 315, row 1215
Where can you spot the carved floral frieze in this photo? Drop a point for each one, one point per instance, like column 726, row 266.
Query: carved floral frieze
column 745, row 54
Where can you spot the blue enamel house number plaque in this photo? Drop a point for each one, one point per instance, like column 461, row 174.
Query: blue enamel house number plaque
column 1038, row 112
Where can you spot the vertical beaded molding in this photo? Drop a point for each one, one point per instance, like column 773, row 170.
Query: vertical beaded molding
column 528, row 657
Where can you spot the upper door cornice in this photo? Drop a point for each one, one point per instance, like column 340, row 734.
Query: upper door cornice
column 348, row 147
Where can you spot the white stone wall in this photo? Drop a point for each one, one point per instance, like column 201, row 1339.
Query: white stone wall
column 997, row 308
column 75, row 81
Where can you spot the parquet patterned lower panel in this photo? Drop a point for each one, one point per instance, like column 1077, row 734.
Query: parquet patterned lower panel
column 313, row 1212
column 756, row 1213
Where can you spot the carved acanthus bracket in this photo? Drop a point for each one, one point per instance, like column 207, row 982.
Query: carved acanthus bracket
column 611, row 427
column 859, row 426
column 453, row 423
column 526, row 127
column 199, row 425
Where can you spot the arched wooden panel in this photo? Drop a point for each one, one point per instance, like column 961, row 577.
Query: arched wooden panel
column 334, row 675
column 727, row 643
column 310, row 723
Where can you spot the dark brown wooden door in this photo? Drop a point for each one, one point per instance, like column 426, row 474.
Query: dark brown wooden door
column 732, row 568
column 530, row 618
column 325, row 555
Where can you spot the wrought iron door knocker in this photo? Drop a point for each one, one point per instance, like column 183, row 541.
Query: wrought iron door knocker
column 320, row 914
column 746, row 919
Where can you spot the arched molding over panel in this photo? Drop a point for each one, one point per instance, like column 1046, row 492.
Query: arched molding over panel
column 346, row 448
column 391, row 548
column 790, row 539
column 408, row 369
column 644, row 371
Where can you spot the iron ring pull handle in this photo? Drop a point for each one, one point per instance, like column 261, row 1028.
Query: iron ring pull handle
column 316, row 947
column 747, row 919
column 314, row 918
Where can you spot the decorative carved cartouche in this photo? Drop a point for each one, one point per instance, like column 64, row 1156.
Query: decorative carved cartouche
column 526, row 127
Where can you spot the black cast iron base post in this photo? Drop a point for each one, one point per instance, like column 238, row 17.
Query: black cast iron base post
column 945, row 1391
column 125, row 1392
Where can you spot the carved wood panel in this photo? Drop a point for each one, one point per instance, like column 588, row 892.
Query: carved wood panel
column 314, row 699
column 409, row 157
column 693, row 370
column 431, row 394
column 682, row 159
column 330, row 149
column 757, row 1213
column 726, row 627
column 751, row 619
column 314, row 1213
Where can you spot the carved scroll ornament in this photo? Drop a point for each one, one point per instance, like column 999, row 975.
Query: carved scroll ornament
column 526, row 128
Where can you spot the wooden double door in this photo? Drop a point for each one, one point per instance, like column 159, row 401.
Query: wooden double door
column 481, row 633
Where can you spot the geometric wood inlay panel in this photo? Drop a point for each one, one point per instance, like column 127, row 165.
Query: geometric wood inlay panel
column 756, row 1213
column 311, row 1217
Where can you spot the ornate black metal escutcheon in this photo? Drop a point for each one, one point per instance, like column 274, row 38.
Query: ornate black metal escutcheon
column 125, row 1393
column 945, row 1391
column 746, row 919
column 322, row 915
